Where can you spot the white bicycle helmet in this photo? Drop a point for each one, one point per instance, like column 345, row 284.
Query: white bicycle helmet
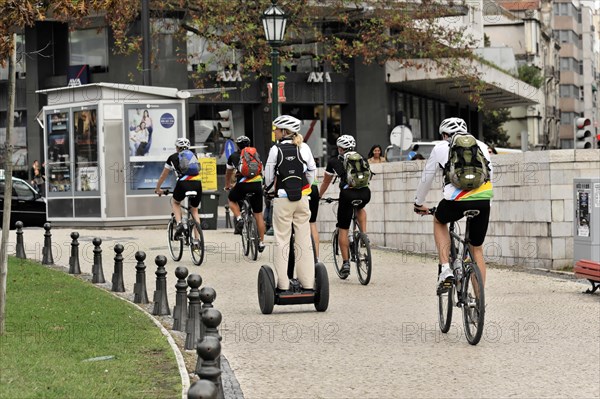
column 182, row 142
column 243, row 141
column 287, row 122
column 450, row 126
column 346, row 142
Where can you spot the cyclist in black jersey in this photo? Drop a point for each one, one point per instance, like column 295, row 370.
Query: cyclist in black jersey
column 335, row 167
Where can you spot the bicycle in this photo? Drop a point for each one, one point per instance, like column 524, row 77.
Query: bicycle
column 192, row 235
column 250, row 238
column 467, row 285
column 360, row 247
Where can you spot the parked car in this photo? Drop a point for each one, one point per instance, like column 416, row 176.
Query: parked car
column 28, row 206
column 424, row 148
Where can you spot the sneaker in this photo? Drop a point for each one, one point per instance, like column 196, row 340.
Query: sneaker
column 270, row 232
column 239, row 226
column 196, row 245
column 345, row 272
column 261, row 246
column 445, row 280
column 179, row 231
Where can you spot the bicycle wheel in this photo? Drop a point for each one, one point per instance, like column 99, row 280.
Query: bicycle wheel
column 474, row 308
column 337, row 254
column 445, row 307
column 175, row 246
column 245, row 237
column 252, row 237
column 196, row 242
column 363, row 258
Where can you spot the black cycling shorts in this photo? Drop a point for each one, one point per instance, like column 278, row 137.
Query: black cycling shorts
column 313, row 203
column 344, row 215
column 239, row 191
column 451, row 211
column 182, row 186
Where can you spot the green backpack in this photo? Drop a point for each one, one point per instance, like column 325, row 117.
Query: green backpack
column 467, row 168
column 358, row 173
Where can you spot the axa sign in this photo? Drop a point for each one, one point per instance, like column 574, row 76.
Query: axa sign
column 229, row 76
column 317, row 77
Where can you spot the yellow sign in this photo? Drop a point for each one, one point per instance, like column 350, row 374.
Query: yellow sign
column 209, row 174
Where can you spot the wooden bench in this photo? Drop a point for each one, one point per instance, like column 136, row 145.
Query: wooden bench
column 589, row 270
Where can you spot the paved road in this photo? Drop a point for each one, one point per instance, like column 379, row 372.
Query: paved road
column 542, row 336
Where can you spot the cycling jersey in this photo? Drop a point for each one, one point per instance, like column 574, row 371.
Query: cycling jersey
column 437, row 161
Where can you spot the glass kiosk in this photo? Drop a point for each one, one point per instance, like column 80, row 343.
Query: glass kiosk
column 105, row 147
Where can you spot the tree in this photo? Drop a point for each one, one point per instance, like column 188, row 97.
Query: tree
column 493, row 132
column 15, row 15
column 333, row 32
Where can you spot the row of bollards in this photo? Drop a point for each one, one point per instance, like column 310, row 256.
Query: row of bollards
column 193, row 313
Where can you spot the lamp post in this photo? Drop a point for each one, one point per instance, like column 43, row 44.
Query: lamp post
column 274, row 22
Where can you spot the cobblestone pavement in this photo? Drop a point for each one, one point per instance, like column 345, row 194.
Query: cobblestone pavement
column 542, row 335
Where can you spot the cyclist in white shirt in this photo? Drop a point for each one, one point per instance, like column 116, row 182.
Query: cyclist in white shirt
column 455, row 202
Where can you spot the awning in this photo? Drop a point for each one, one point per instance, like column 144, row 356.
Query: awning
column 500, row 90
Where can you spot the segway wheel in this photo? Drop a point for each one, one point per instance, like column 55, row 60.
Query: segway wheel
column 266, row 289
column 321, row 288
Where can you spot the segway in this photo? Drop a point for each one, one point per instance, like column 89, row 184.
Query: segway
column 269, row 295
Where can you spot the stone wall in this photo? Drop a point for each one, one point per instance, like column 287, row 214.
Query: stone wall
column 531, row 221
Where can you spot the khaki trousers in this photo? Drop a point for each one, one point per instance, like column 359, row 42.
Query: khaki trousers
column 285, row 214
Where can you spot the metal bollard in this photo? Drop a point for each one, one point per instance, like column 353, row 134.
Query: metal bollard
column 209, row 349
column 228, row 223
column 117, row 277
column 140, row 294
column 211, row 319
column 207, row 296
column 194, row 321
column 161, row 304
column 47, row 258
column 74, row 259
column 20, row 247
column 97, row 272
column 202, row 389
column 180, row 310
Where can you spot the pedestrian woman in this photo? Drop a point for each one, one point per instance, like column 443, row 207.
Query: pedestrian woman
column 291, row 170
column 375, row 155
column 38, row 177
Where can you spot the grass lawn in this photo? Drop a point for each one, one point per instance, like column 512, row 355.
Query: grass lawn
column 54, row 322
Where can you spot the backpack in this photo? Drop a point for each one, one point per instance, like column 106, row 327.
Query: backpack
column 358, row 173
column 467, row 168
column 290, row 171
column 250, row 164
column 188, row 163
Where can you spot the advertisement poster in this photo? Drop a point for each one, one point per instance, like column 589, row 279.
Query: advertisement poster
column 59, row 178
column 58, row 137
column 151, row 133
column 144, row 175
column 86, row 136
column 88, row 179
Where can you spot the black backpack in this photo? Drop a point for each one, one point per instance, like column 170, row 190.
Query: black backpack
column 290, row 171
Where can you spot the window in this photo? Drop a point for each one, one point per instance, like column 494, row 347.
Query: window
column 568, row 37
column 569, row 91
column 89, row 47
column 22, row 192
column 568, row 118
column 570, row 64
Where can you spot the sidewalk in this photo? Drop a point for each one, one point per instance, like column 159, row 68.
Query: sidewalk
column 377, row 341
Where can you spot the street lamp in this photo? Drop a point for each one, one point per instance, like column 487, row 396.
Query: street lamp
column 274, row 21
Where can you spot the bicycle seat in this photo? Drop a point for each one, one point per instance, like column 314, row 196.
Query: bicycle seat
column 356, row 202
column 191, row 193
column 471, row 213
